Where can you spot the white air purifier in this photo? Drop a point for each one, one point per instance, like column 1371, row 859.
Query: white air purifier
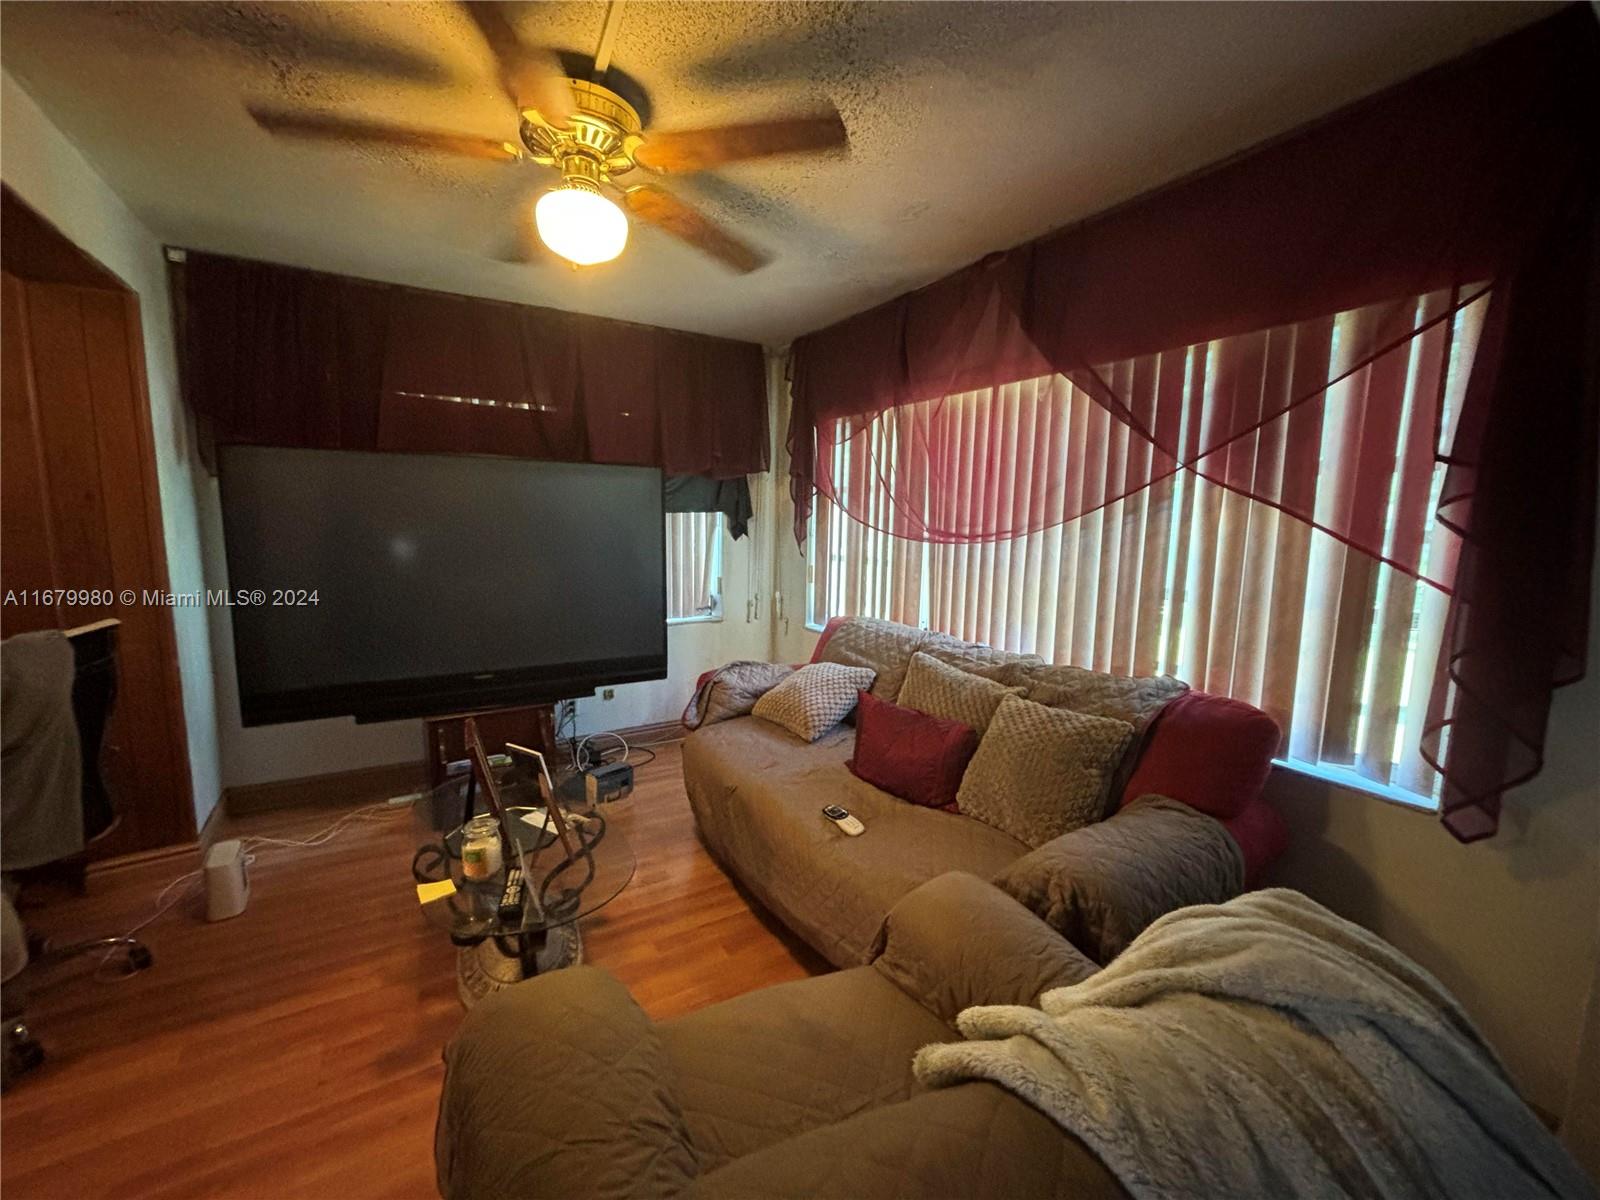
column 227, row 880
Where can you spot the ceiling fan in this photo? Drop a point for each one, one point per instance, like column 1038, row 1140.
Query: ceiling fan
column 592, row 135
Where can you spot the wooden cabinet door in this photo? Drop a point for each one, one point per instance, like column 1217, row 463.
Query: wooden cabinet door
column 81, row 512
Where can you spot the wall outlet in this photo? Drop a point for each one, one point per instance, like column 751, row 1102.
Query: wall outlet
column 609, row 694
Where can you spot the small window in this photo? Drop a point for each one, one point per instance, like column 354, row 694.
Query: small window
column 694, row 567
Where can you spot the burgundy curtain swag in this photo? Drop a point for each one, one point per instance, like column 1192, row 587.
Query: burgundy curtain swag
column 1289, row 279
column 278, row 356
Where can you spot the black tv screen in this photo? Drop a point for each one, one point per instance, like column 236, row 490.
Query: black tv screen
column 391, row 585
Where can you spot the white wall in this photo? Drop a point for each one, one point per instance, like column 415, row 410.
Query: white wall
column 692, row 648
column 1511, row 925
column 48, row 172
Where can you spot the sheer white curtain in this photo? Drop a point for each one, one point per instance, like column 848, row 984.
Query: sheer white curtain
column 694, row 563
column 1186, row 575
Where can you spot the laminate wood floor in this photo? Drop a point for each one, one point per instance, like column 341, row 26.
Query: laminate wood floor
column 294, row 1050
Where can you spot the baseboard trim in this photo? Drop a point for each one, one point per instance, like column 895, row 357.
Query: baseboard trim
column 376, row 783
column 143, row 858
column 340, row 787
column 214, row 819
column 658, row 731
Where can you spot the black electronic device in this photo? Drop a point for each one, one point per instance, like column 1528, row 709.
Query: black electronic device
column 511, row 898
column 382, row 586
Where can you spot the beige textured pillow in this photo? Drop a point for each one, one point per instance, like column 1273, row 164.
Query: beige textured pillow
column 814, row 699
column 1040, row 772
column 944, row 691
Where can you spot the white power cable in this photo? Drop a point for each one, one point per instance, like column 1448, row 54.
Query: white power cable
column 579, row 753
column 167, row 899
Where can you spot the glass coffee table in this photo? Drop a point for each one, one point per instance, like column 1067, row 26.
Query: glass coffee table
column 563, row 882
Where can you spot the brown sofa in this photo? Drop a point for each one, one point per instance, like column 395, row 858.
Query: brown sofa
column 757, row 791
column 563, row 1087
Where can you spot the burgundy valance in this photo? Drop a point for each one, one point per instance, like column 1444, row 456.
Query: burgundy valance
column 275, row 355
column 1293, row 277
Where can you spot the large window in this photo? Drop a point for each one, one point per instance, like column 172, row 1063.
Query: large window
column 1186, row 576
column 694, row 566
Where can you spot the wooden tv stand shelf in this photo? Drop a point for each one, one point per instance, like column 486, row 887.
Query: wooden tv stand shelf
column 533, row 725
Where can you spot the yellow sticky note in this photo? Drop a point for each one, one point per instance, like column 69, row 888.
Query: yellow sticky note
column 427, row 892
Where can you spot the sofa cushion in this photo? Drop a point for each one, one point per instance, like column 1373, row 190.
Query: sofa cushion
column 1262, row 836
column 777, row 1062
column 944, row 691
column 1209, row 751
column 814, row 699
column 1099, row 886
column 884, row 646
column 958, row 941
column 976, row 1141
column 619, row 1134
column 757, row 795
column 1129, row 698
column 1003, row 666
column 1040, row 772
column 910, row 754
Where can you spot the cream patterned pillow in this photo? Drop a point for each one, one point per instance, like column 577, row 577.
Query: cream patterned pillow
column 814, row 699
column 1040, row 772
column 941, row 690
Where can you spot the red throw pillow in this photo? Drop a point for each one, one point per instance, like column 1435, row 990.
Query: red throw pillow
column 1211, row 752
column 910, row 754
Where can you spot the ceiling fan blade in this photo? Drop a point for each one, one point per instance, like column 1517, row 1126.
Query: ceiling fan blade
column 696, row 149
column 686, row 223
column 532, row 77
column 323, row 127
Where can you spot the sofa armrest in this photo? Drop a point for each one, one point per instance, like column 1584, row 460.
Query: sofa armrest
column 976, row 1141
column 957, row 941
column 560, row 1087
column 1101, row 885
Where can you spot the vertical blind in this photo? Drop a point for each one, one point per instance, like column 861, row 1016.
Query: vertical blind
column 694, row 564
column 1188, row 576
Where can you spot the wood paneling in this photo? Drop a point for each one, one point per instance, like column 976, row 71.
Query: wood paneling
column 294, row 1050
column 27, row 550
column 81, row 511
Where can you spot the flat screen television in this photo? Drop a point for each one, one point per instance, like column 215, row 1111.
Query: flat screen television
column 381, row 586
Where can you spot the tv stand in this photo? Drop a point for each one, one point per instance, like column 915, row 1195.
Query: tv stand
column 531, row 725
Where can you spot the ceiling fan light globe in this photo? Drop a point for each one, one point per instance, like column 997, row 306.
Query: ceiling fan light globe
column 581, row 226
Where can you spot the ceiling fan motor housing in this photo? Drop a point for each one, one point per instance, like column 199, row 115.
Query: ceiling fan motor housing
column 596, row 142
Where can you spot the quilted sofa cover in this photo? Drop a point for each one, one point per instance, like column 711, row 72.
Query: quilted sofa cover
column 757, row 793
column 562, row 1086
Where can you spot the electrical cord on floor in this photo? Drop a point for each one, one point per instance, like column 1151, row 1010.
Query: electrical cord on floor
column 587, row 758
column 167, row 898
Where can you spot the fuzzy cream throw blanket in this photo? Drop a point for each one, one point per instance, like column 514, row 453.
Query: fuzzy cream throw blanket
column 1267, row 1048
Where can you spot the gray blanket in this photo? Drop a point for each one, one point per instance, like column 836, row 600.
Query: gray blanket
column 732, row 691
column 41, row 801
column 1266, row 1047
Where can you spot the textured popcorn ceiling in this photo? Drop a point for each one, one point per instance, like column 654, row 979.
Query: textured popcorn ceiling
column 973, row 126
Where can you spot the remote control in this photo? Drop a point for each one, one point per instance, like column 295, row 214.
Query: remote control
column 841, row 817
column 511, row 898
